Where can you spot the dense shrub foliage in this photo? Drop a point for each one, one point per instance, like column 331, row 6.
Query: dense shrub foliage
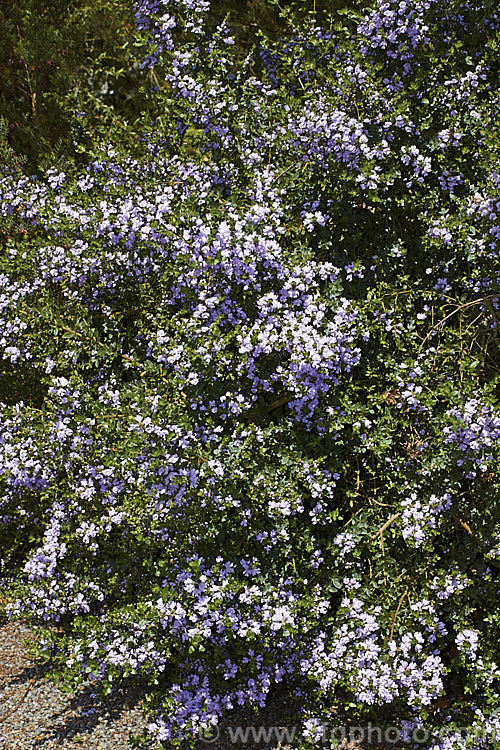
column 61, row 58
column 249, row 420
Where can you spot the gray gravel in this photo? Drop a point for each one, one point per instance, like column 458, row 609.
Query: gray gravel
column 35, row 714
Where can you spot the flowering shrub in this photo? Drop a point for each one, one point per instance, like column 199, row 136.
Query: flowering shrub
column 249, row 409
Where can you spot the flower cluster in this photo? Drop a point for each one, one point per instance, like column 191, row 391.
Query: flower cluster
column 475, row 434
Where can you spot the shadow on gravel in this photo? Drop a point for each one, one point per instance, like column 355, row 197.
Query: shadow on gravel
column 34, row 713
column 83, row 713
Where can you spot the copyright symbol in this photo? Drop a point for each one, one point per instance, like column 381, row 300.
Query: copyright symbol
column 209, row 734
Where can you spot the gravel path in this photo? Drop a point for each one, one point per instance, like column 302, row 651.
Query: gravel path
column 35, row 714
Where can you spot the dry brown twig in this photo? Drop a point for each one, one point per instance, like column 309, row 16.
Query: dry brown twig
column 20, row 702
column 384, row 527
column 484, row 300
column 405, row 592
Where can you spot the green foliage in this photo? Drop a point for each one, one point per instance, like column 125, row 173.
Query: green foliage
column 60, row 62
